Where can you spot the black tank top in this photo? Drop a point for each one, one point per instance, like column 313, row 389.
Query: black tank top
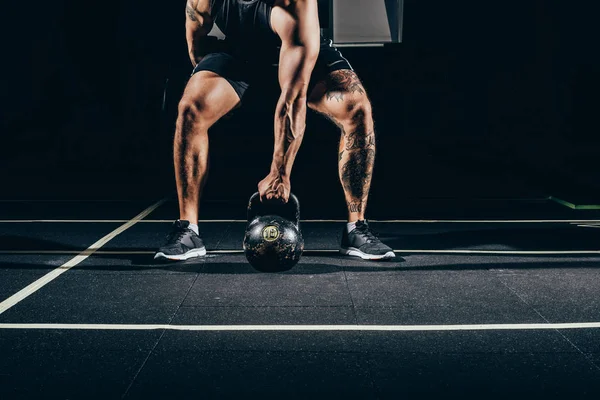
column 246, row 24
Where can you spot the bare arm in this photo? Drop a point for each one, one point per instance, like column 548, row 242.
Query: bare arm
column 198, row 24
column 300, row 40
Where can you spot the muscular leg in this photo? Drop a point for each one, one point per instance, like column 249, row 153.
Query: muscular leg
column 343, row 99
column 207, row 98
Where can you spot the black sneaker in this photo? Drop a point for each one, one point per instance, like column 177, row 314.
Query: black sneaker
column 361, row 242
column 182, row 243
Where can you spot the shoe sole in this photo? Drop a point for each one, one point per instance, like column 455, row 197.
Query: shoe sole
column 352, row 251
column 182, row 257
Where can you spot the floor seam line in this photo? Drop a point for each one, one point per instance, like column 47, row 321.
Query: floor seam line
column 584, row 354
column 203, row 263
column 143, row 364
column 159, row 338
column 352, row 305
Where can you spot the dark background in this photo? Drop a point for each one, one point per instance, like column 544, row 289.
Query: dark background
column 481, row 100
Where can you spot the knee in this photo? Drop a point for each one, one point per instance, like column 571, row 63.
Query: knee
column 193, row 116
column 359, row 113
column 361, row 109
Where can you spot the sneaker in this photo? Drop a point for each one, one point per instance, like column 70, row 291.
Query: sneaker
column 361, row 242
column 182, row 243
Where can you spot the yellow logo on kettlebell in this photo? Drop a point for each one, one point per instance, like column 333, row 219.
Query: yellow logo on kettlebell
column 270, row 233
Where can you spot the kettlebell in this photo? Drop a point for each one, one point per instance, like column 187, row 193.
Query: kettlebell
column 273, row 240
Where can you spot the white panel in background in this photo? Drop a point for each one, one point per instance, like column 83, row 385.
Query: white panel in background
column 360, row 21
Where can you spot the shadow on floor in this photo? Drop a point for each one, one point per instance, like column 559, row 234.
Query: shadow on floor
column 319, row 265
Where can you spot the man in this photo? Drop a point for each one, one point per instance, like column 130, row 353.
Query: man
column 311, row 72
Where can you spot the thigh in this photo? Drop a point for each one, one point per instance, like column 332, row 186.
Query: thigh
column 227, row 67
column 209, row 96
column 330, row 60
column 334, row 84
column 215, row 88
column 339, row 95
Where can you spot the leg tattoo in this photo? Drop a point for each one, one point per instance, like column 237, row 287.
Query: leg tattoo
column 355, row 207
column 341, row 82
column 359, row 138
column 356, row 172
column 343, row 100
column 357, row 158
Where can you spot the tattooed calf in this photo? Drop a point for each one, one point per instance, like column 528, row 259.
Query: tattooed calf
column 356, row 172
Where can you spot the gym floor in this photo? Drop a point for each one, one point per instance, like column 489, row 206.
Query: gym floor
column 492, row 298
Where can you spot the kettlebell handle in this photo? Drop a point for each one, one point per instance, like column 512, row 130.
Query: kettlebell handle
column 290, row 210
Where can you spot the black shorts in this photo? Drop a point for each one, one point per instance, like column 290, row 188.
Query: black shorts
column 240, row 73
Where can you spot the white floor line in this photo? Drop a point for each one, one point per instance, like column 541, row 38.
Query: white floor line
column 393, row 221
column 333, row 251
column 35, row 286
column 65, row 221
column 589, row 225
column 516, row 252
column 69, row 201
column 384, row 328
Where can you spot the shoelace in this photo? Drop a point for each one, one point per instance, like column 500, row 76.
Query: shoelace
column 364, row 230
column 176, row 235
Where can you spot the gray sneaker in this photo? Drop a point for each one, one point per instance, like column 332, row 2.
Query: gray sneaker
column 361, row 242
column 182, row 243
